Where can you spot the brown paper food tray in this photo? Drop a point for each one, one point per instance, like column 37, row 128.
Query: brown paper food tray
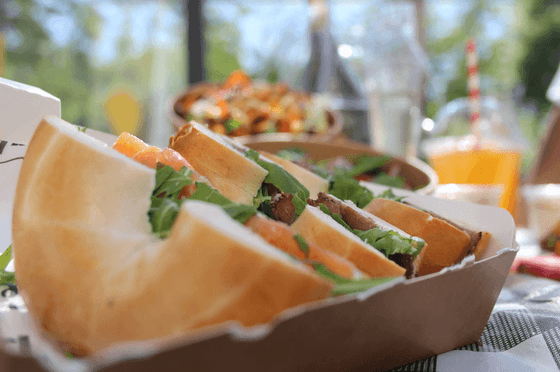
column 375, row 331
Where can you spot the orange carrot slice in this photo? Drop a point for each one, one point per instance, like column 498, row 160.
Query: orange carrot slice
column 283, row 237
column 148, row 156
column 172, row 158
column 129, row 144
column 237, row 78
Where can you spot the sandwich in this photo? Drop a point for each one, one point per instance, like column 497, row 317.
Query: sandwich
column 375, row 246
column 241, row 174
column 180, row 181
column 286, row 206
column 447, row 243
column 97, row 235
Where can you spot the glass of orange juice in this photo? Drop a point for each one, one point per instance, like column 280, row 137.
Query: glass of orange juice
column 493, row 158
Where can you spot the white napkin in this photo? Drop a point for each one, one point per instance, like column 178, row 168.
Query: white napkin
column 531, row 355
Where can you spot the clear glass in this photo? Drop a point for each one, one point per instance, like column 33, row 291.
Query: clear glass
column 492, row 159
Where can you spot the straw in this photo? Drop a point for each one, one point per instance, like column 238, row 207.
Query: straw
column 473, row 80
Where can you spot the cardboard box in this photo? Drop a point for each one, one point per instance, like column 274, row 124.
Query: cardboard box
column 388, row 326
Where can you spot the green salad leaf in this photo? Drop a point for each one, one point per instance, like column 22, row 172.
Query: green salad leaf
column 387, row 242
column 6, row 257
column 359, row 285
column 283, row 180
column 388, row 194
column 239, row 212
column 81, row 129
column 231, row 125
column 390, row 242
column 363, row 165
column 165, row 204
column 171, row 182
column 302, row 244
column 386, row 180
column 6, row 276
column 292, row 154
column 345, row 286
column 262, row 197
column 347, row 188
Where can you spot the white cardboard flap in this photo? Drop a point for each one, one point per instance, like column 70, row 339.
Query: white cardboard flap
column 22, row 108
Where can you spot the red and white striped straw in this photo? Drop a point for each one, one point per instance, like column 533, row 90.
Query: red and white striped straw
column 473, row 80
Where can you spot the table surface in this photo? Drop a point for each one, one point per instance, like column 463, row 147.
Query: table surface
column 523, row 332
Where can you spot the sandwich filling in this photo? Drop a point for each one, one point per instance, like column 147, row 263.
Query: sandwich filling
column 399, row 249
column 166, row 203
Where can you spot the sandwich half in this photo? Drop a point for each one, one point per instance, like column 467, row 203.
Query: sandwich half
column 93, row 274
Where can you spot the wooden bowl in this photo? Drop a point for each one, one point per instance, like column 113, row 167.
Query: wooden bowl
column 176, row 115
column 419, row 175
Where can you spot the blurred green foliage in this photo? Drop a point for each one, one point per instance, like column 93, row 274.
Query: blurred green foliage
column 527, row 56
column 33, row 58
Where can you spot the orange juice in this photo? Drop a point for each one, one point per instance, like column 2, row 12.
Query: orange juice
column 481, row 166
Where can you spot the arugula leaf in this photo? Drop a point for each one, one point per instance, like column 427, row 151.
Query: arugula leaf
column 283, row 180
column 81, row 129
column 384, row 179
column 162, row 215
column 6, row 276
column 231, row 125
column 6, row 257
column 239, row 212
column 262, row 196
column 165, row 204
column 388, row 194
column 390, row 242
column 209, row 194
column 171, row 182
column 293, row 154
column 363, row 165
column 302, row 244
column 252, row 155
column 359, row 285
column 348, row 286
column 346, row 188
column 322, row 172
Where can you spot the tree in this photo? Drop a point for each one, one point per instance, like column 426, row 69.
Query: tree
column 33, row 58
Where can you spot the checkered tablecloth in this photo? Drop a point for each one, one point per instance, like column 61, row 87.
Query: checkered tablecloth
column 523, row 333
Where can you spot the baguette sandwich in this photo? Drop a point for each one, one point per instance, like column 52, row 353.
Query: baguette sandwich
column 375, row 246
column 283, row 206
column 447, row 243
column 96, row 234
column 233, row 168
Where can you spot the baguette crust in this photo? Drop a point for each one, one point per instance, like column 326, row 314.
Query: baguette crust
column 445, row 244
column 482, row 244
column 236, row 177
column 91, row 275
column 310, row 180
column 318, row 228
